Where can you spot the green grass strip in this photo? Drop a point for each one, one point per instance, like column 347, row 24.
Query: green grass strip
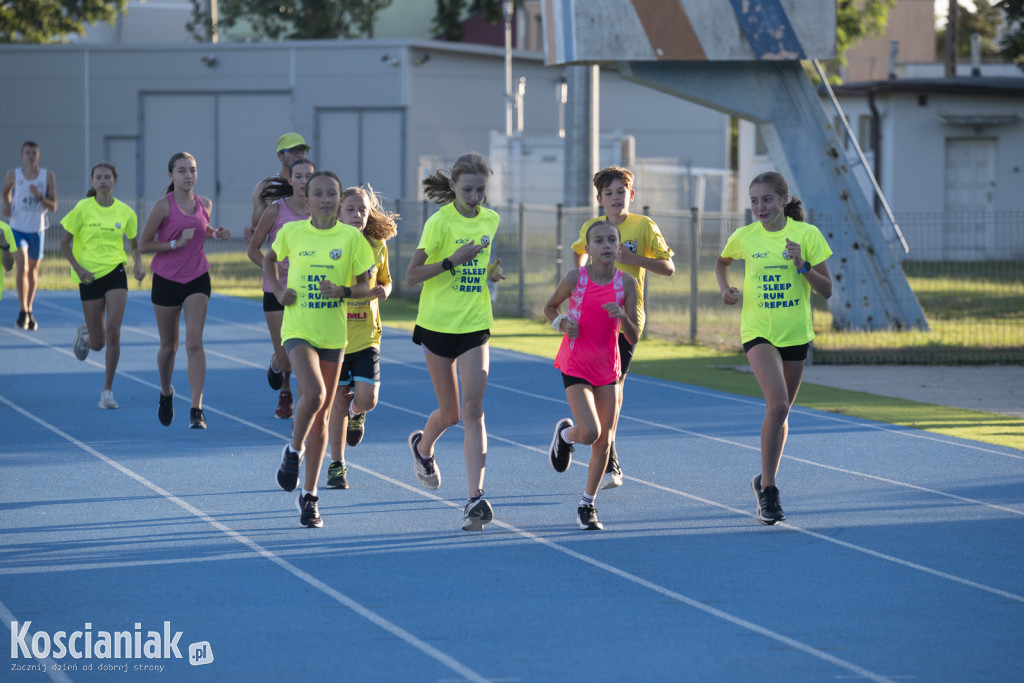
column 714, row 369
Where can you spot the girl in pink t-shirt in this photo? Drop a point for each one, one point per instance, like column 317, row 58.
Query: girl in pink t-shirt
column 287, row 208
column 175, row 232
column 602, row 302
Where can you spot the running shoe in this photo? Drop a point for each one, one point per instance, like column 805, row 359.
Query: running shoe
column 337, row 475
column 275, row 378
column 284, row 405
column 165, row 413
column 22, row 321
column 612, row 473
column 81, row 348
column 288, row 472
column 769, row 509
column 356, row 425
column 107, row 401
column 560, row 453
column 196, row 419
column 30, row 322
column 309, row 515
column 588, row 518
column 426, row 470
column 476, row 513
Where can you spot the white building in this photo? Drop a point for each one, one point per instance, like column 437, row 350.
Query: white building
column 372, row 110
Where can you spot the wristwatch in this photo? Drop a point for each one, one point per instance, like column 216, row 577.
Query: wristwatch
column 804, row 268
column 448, row 265
column 174, row 244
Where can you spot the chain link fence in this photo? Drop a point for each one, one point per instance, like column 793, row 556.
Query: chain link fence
column 967, row 272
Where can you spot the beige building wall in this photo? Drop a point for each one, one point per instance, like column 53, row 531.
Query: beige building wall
column 912, row 24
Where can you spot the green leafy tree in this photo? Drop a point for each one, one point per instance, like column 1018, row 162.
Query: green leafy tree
column 49, row 21
column 1012, row 41
column 855, row 21
column 984, row 21
column 450, row 13
column 295, row 20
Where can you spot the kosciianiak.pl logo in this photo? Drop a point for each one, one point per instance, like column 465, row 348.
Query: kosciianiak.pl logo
column 87, row 644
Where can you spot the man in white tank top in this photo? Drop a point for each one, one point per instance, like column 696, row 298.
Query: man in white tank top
column 30, row 193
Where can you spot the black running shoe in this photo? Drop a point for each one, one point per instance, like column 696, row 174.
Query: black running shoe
column 30, row 322
column 561, row 450
column 275, row 378
column 22, row 320
column 196, row 419
column 588, row 518
column 769, row 509
column 309, row 515
column 288, row 472
column 165, row 413
column 337, row 475
column 612, row 473
column 356, row 427
column 476, row 513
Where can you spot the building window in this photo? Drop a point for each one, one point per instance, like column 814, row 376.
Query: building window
column 760, row 149
column 866, row 133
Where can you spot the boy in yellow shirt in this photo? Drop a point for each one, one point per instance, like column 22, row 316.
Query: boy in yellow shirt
column 6, row 244
column 642, row 248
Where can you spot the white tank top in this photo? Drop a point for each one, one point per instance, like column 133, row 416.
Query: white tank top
column 27, row 211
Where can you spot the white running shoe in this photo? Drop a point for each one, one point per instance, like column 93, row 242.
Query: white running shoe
column 81, row 348
column 426, row 471
column 477, row 513
column 107, row 401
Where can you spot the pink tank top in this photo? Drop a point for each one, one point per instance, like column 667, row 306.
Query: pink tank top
column 186, row 263
column 284, row 215
column 594, row 354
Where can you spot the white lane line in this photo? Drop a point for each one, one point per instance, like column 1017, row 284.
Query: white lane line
column 857, row 548
column 756, row 449
column 256, row 548
column 908, row 432
column 9, row 618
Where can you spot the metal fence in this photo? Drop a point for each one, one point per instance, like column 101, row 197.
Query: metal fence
column 967, row 272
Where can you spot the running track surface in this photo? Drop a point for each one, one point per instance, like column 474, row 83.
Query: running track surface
column 900, row 558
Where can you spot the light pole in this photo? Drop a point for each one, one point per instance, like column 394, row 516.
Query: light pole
column 507, row 9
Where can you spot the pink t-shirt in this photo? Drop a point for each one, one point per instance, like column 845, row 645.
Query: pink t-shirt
column 284, row 215
column 594, row 354
column 188, row 262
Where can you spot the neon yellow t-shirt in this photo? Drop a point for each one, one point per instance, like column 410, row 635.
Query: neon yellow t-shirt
column 9, row 239
column 641, row 236
column 364, row 326
column 776, row 298
column 460, row 303
column 313, row 255
column 99, row 233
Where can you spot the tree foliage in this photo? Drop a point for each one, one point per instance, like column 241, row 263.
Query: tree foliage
column 49, row 21
column 448, row 19
column 984, row 21
column 855, row 21
column 295, row 20
column 1012, row 41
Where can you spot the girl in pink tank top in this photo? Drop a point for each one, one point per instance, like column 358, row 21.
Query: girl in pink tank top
column 602, row 302
column 175, row 233
column 291, row 207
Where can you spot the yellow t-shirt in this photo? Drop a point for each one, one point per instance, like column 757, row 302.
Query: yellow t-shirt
column 99, row 233
column 364, row 326
column 460, row 303
column 9, row 239
column 641, row 236
column 776, row 298
column 313, row 255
